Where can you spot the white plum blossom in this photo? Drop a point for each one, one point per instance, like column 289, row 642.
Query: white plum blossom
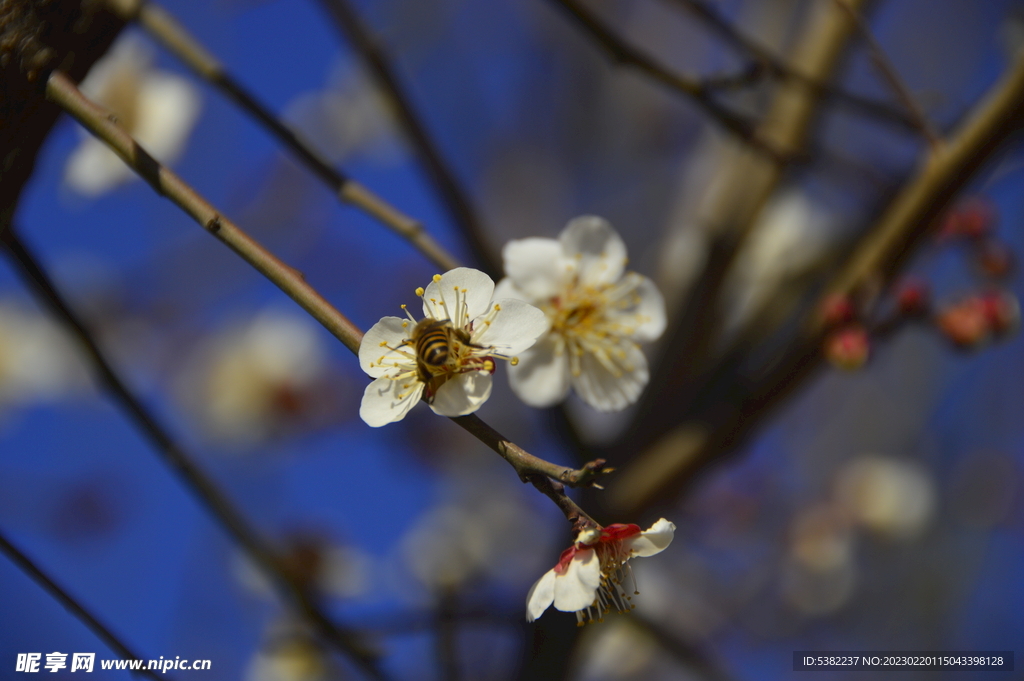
column 157, row 108
column 597, row 311
column 588, row 579
column 448, row 357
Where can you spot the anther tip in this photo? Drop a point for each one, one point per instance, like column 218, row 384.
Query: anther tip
column 437, row 278
column 420, row 291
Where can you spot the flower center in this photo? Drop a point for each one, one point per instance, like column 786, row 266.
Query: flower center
column 599, row 321
column 615, row 574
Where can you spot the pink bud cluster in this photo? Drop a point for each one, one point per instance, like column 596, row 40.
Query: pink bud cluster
column 973, row 223
column 968, row 323
column 972, row 321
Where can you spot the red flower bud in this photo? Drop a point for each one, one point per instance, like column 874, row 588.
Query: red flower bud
column 966, row 323
column 913, row 297
column 994, row 259
column 848, row 348
column 1002, row 311
column 972, row 219
column 837, row 309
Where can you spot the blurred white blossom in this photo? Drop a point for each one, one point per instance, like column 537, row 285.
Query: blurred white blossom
column 348, row 117
column 475, row 536
column 598, row 314
column 617, row 651
column 324, row 567
column 291, row 653
column 448, row 356
column 38, row 361
column 252, row 381
column 792, row 233
column 892, row 497
column 157, row 108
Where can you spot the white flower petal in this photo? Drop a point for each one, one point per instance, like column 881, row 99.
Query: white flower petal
column 604, row 390
column 386, row 401
column 537, row 267
column 477, row 298
column 94, row 169
column 462, row 394
column 646, row 315
column 597, row 248
column 541, row 379
column 512, row 329
column 654, row 539
column 506, row 288
column 541, row 595
column 168, row 108
column 392, row 331
column 576, row 588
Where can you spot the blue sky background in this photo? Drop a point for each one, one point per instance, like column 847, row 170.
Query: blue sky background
column 82, row 493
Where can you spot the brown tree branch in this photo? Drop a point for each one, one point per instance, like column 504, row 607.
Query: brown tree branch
column 716, row 430
column 165, row 182
column 443, row 177
column 101, row 632
column 178, row 460
column 173, row 36
column 623, row 53
column 777, row 68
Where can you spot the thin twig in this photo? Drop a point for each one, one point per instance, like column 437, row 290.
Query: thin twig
column 445, row 182
column 892, row 77
column 204, row 489
column 26, row 565
column 624, row 53
column 165, row 182
column 173, row 36
column 527, row 464
column 776, row 68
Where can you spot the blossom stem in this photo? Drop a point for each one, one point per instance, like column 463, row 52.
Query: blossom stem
column 527, row 464
column 556, row 492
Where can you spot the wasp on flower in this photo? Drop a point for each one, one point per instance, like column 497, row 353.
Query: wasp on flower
column 446, row 358
column 598, row 313
column 590, row 575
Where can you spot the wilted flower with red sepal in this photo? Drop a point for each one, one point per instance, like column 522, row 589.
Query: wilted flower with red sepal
column 589, row 575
